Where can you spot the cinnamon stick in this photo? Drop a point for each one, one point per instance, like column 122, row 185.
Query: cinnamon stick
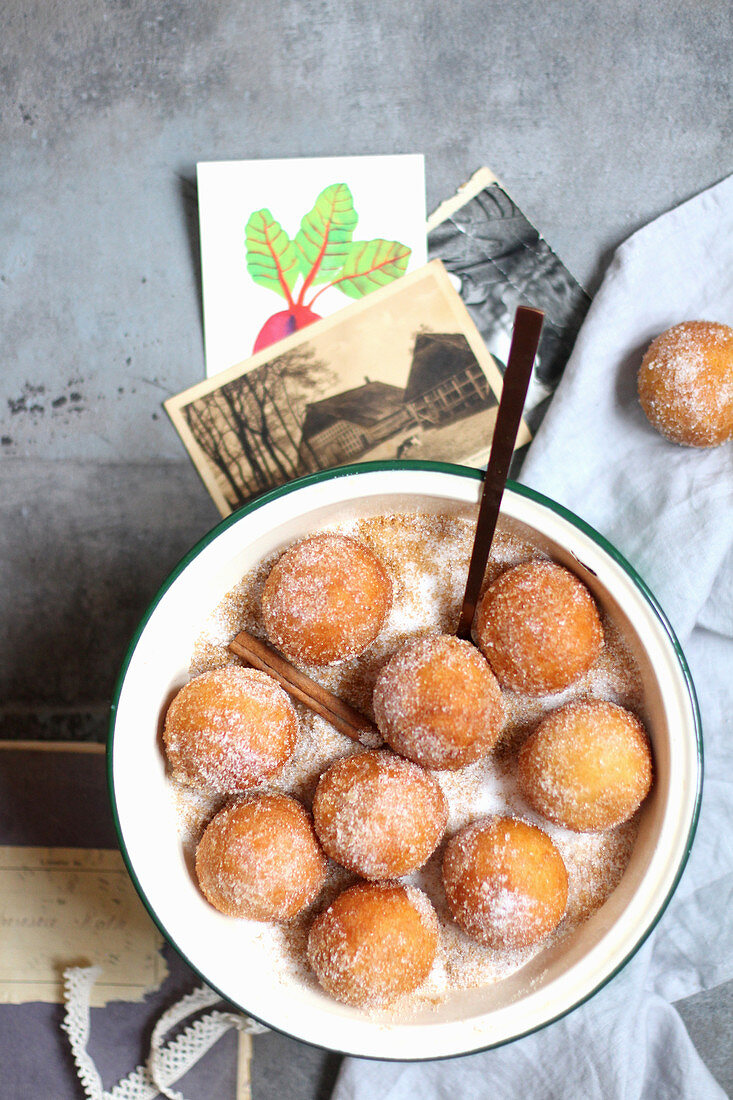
column 345, row 718
column 525, row 341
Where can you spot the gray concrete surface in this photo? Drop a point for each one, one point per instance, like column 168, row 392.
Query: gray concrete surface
column 597, row 117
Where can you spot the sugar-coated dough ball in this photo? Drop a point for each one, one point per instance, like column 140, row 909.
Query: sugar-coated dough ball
column 379, row 815
column 538, row 627
column 437, row 702
column 587, row 766
column 375, row 942
column 326, row 599
column 229, row 729
column 686, row 383
column 260, row 859
column 505, row 882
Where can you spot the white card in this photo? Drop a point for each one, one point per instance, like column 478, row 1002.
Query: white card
column 367, row 200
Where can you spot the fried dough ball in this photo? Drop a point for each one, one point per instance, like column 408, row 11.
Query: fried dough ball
column 379, row 815
column 505, row 882
column 229, row 729
column 326, row 599
column 587, row 766
column 538, row 627
column 437, row 702
column 686, row 383
column 260, row 859
column 375, row 942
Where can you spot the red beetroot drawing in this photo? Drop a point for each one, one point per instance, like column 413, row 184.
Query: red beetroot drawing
column 322, row 254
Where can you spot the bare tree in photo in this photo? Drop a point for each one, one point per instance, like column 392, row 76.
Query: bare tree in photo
column 205, row 422
column 253, row 401
column 250, row 428
column 297, row 376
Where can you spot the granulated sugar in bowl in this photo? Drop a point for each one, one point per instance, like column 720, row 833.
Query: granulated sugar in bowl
column 418, row 518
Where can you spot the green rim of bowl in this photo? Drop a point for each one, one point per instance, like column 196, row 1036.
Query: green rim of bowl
column 475, row 475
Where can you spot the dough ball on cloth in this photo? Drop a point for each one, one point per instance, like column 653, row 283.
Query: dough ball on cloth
column 686, row 383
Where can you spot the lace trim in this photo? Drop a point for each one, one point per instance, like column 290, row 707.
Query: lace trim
column 168, row 1060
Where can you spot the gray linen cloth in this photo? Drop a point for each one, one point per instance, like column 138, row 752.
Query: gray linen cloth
column 669, row 510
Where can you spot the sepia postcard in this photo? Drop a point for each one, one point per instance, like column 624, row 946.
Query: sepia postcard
column 287, row 242
column 402, row 373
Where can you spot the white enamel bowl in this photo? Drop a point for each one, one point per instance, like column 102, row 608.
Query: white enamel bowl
column 224, row 951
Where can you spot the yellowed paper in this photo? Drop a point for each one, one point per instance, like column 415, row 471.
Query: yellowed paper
column 480, row 180
column 341, row 390
column 64, row 907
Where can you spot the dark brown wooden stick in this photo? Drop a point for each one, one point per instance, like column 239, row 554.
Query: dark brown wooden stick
column 347, row 720
column 525, row 341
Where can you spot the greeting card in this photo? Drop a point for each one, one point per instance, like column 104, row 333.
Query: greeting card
column 285, row 243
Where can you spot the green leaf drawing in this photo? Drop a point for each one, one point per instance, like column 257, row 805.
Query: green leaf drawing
column 272, row 260
column 322, row 253
column 371, row 264
column 323, row 241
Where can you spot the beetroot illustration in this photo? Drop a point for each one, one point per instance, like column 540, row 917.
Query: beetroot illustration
column 284, row 324
column 323, row 254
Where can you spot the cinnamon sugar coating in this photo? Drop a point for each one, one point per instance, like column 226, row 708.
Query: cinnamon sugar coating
column 374, row 943
column 260, row 859
column 686, row 383
column 505, row 882
column 379, row 815
column 588, row 766
column 538, row 627
column 427, row 557
column 229, row 729
column 437, row 702
column 326, row 599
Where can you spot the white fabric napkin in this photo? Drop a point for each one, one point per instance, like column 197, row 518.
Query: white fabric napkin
column 670, row 511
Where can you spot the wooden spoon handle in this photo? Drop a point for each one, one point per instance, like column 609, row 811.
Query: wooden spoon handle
column 525, row 341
